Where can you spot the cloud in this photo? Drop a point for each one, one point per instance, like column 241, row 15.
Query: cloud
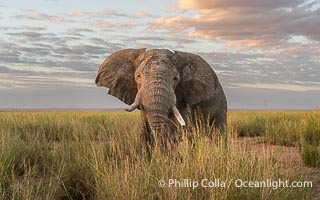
column 301, row 39
column 143, row 14
column 101, row 13
column 4, row 69
column 109, row 25
column 33, row 47
column 30, row 35
column 256, row 5
column 33, row 15
column 109, row 13
column 41, row 77
column 253, row 22
column 263, row 69
column 80, row 49
column 35, row 28
column 81, row 30
column 176, row 24
column 36, row 57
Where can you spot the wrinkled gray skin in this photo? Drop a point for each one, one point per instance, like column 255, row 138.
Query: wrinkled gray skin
column 156, row 80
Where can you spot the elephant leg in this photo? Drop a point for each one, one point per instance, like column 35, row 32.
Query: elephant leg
column 214, row 118
column 220, row 121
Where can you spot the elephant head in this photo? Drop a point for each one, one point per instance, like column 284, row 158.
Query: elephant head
column 159, row 83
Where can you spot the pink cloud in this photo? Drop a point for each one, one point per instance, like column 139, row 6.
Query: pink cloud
column 106, row 24
column 250, row 23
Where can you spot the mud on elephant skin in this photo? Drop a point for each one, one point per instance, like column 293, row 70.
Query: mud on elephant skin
column 164, row 85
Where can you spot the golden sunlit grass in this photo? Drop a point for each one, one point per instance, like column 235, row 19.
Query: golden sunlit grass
column 96, row 155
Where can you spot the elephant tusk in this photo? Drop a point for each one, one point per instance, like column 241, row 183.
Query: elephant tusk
column 178, row 116
column 132, row 107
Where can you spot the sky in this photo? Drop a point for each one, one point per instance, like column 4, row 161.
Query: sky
column 266, row 53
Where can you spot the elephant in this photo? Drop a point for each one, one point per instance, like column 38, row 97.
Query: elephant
column 166, row 86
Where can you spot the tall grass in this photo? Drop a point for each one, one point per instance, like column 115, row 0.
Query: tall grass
column 310, row 141
column 96, row 155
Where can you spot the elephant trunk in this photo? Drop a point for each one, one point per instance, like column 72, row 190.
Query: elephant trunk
column 157, row 111
column 158, row 99
column 158, row 122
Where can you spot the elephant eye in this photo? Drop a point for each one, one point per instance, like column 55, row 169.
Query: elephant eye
column 138, row 76
column 175, row 78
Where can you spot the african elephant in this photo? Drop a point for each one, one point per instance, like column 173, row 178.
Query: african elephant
column 165, row 86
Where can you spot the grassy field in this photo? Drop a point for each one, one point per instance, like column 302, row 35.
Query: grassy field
column 98, row 155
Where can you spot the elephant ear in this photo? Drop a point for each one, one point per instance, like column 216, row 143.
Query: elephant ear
column 198, row 81
column 117, row 74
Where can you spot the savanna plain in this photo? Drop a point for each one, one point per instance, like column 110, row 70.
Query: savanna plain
column 99, row 155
